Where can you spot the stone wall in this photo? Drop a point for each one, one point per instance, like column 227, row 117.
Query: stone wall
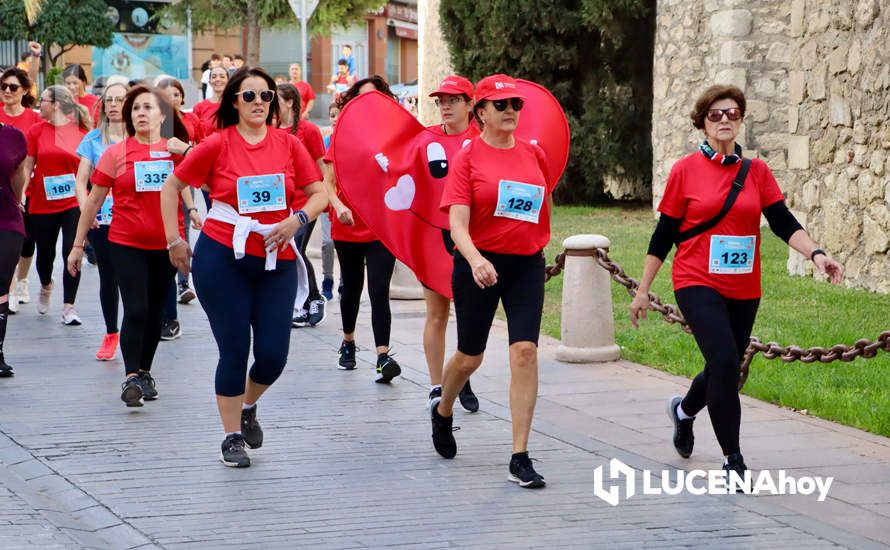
column 435, row 62
column 817, row 81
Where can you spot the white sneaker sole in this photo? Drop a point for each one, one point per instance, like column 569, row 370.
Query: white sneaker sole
column 528, row 484
column 233, row 464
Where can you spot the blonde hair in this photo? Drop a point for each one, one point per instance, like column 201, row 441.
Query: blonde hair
column 103, row 124
column 63, row 98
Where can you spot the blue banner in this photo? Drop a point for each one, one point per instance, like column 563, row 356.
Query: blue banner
column 138, row 56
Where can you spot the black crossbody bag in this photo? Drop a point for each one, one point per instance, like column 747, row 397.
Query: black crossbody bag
column 737, row 185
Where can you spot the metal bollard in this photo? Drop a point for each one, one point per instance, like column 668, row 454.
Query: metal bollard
column 588, row 330
column 404, row 284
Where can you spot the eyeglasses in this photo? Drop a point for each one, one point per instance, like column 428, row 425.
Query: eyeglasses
column 515, row 102
column 250, row 95
column 9, row 86
column 113, row 100
column 44, row 100
column 716, row 115
column 452, row 101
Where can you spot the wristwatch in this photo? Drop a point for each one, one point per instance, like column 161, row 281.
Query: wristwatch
column 815, row 253
column 302, row 216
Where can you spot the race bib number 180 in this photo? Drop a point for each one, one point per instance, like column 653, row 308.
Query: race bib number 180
column 59, row 187
column 261, row 193
column 519, row 201
column 731, row 255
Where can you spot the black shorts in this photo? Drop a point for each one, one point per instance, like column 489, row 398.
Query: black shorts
column 520, row 288
column 448, row 242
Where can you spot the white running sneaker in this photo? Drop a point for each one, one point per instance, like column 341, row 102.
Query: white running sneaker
column 43, row 299
column 69, row 316
column 13, row 302
column 21, row 291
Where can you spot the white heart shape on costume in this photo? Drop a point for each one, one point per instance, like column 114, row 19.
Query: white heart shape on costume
column 401, row 196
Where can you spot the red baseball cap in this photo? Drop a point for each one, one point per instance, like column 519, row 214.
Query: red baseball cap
column 497, row 86
column 454, row 85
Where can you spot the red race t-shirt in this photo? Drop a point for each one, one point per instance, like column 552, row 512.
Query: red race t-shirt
column 310, row 136
column 696, row 190
column 137, row 218
column 54, row 149
column 193, row 126
column 23, row 121
column 206, row 110
column 507, row 191
column 358, row 232
column 306, row 93
column 221, row 159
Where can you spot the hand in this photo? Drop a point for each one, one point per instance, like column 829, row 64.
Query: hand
column 639, row 308
column 36, row 48
column 830, row 267
column 94, row 224
column 344, row 214
column 483, row 272
column 176, row 146
column 180, row 257
column 196, row 219
column 282, row 234
column 75, row 259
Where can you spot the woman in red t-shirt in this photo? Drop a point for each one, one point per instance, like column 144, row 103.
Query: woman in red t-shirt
column 356, row 247
column 498, row 199
column 76, row 81
column 134, row 170
column 716, row 268
column 246, row 271
column 312, row 311
column 17, row 111
column 52, row 205
column 206, row 109
column 454, row 99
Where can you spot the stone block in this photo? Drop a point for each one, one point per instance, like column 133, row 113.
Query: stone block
column 866, row 12
column 736, row 77
column 757, row 110
column 793, row 119
column 778, row 53
column 837, row 59
column 810, row 194
column 839, row 111
column 731, row 23
column 870, row 188
column 854, row 57
column 796, row 87
column 875, row 238
column 799, row 152
column 798, row 9
column 734, row 52
column 877, row 162
column 816, row 86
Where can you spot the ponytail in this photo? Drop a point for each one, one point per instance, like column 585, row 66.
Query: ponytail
column 65, row 100
column 82, row 116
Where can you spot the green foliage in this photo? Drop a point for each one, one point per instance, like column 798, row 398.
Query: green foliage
column 332, row 14
column 596, row 58
column 66, row 23
column 54, row 76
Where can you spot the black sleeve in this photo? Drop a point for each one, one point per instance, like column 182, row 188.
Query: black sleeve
column 664, row 236
column 781, row 221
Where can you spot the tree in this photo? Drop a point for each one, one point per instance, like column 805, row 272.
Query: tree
column 596, row 58
column 63, row 23
column 256, row 14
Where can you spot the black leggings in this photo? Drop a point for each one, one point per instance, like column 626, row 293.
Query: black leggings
column 10, row 252
column 46, row 228
column 302, row 239
column 28, row 246
column 144, row 278
column 381, row 263
column 722, row 327
column 109, row 296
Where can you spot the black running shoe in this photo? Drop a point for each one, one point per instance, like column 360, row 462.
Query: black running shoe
column 149, row 391
column 5, row 370
column 347, row 356
column 170, row 330
column 250, row 428
column 185, row 294
column 735, row 463
column 523, row 473
column 131, row 392
column 387, row 368
column 468, row 399
column 683, row 438
column 434, row 393
column 443, row 432
column 233, row 453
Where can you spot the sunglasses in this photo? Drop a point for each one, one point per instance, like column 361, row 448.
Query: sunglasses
column 9, row 86
column 250, row 95
column 716, row 115
column 450, row 101
column 501, row 104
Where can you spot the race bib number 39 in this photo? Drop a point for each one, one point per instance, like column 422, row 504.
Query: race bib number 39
column 151, row 175
column 731, row 255
column 519, row 201
column 59, row 187
column 261, row 193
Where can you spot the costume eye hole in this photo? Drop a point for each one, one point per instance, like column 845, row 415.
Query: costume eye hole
column 436, row 160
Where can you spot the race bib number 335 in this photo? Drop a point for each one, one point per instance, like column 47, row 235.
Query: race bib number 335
column 151, row 175
column 731, row 255
column 261, row 193
column 519, row 201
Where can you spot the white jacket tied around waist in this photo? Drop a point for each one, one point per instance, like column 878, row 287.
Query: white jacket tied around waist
column 244, row 226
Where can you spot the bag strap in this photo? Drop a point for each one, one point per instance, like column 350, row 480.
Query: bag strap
column 737, row 185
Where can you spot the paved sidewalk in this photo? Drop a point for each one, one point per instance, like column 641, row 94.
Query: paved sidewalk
column 348, row 463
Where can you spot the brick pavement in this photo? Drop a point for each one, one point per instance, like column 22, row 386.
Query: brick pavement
column 348, row 463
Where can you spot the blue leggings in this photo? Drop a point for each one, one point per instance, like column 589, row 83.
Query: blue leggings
column 240, row 295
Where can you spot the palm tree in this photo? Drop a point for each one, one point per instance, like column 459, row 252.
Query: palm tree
column 32, row 9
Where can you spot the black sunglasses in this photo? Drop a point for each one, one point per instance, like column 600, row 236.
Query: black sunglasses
column 9, row 86
column 716, row 115
column 250, row 95
column 501, row 104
